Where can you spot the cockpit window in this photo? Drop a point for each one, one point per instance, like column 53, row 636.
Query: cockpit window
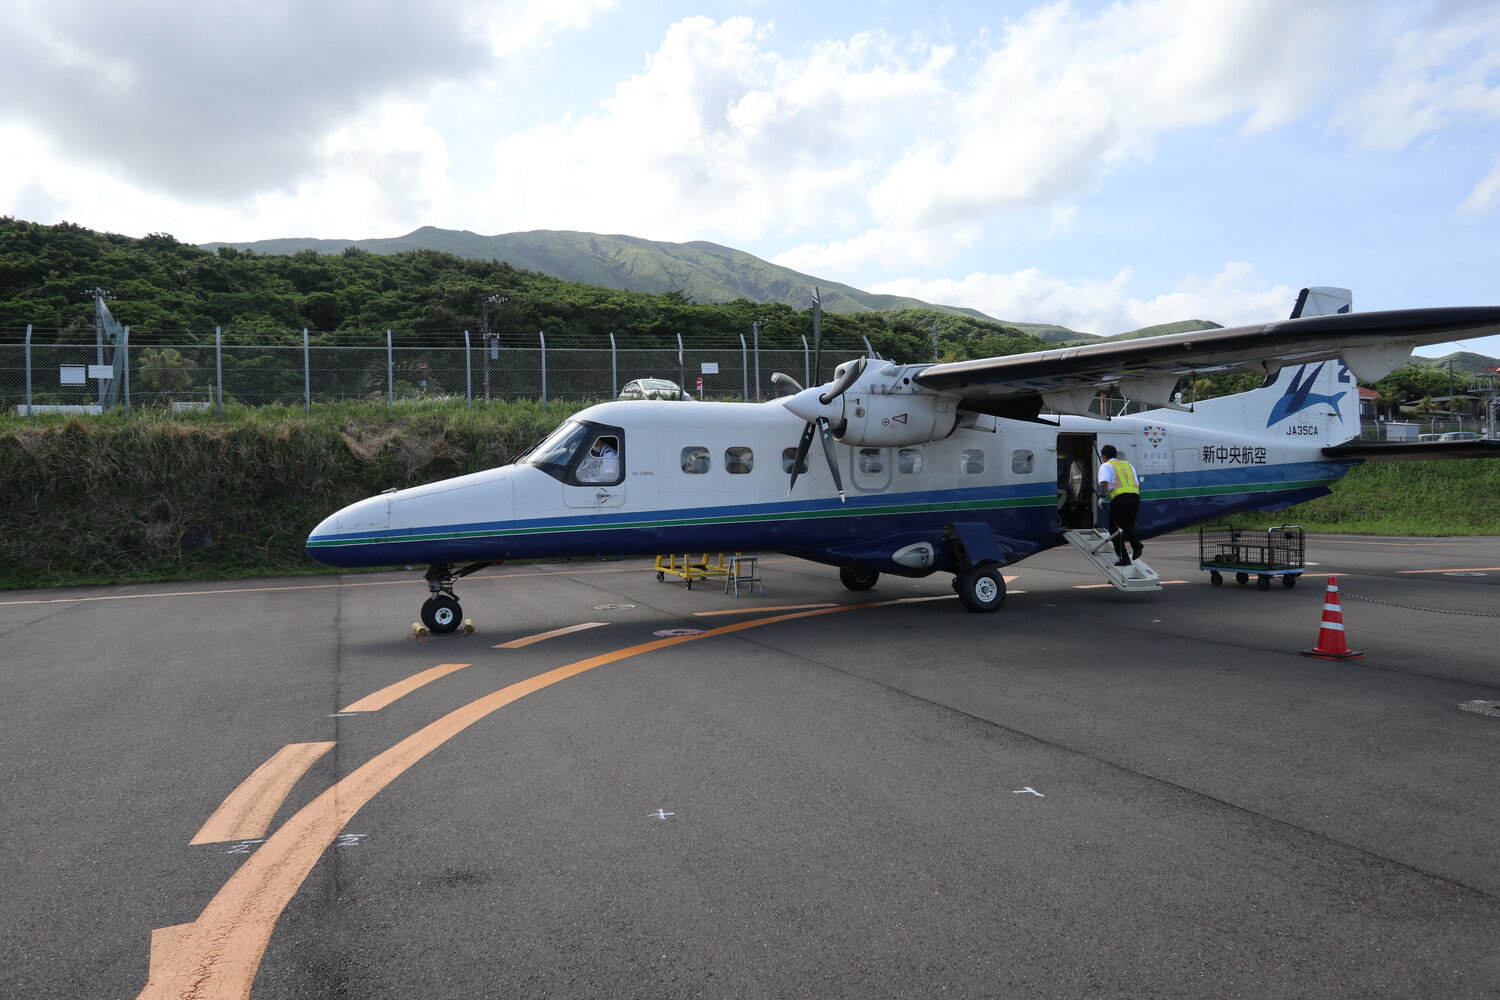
column 558, row 449
column 582, row 453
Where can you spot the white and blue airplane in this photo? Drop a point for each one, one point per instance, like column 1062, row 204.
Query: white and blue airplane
column 958, row 468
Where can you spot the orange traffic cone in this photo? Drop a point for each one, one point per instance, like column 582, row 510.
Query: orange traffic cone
column 1331, row 644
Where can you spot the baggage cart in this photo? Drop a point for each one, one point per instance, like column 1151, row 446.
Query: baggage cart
column 1246, row 552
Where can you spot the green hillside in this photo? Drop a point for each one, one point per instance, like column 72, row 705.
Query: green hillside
column 702, row 272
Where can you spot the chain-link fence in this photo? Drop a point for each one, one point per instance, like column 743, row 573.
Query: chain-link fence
column 200, row 372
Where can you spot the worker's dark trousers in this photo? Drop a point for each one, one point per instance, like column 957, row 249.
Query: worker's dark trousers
column 1123, row 508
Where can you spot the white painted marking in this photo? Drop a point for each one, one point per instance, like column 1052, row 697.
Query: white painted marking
column 342, row 715
column 349, row 839
column 661, row 814
column 244, row 846
column 1028, row 790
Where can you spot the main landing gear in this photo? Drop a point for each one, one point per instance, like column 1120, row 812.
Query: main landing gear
column 981, row 588
column 441, row 612
column 858, row 579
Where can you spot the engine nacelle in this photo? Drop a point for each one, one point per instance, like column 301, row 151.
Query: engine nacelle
column 891, row 420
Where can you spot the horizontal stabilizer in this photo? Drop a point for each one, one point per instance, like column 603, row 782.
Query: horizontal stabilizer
column 1413, row 451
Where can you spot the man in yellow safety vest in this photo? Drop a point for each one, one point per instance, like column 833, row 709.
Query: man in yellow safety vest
column 1121, row 488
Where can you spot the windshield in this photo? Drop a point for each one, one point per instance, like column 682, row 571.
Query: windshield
column 556, row 452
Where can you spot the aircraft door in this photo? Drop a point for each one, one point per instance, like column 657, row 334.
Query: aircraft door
column 1077, row 474
column 598, row 479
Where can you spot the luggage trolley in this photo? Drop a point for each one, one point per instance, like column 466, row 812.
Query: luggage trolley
column 1247, row 552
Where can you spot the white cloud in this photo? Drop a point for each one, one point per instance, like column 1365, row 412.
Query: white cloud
column 1232, row 297
column 223, row 101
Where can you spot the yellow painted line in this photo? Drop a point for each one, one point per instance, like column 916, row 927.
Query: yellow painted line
column 375, row 702
column 248, row 810
column 218, row 955
column 756, row 611
column 518, row 643
column 1463, row 569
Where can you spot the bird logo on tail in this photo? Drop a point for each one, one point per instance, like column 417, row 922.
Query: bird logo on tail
column 1299, row 396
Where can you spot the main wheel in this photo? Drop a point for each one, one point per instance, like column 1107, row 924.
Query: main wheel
column 442, row 613
column 858, row 579
column 981, row 589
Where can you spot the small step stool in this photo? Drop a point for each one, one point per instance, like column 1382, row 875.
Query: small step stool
column 743, row 569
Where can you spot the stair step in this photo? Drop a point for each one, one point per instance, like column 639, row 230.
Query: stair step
column 1099, row 550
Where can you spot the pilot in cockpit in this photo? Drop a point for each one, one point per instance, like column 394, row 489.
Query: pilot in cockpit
column 603, row 462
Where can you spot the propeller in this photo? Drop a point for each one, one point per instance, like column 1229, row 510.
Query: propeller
column 817, row 423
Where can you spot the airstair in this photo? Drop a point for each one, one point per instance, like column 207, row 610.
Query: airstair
column 1098, row 548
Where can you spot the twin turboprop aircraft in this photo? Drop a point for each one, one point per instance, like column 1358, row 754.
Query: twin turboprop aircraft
column 958, row 468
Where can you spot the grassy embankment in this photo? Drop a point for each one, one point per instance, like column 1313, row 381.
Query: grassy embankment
column 156, row 497
column 193, row 497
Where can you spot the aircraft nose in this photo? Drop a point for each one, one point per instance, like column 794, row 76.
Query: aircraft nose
column 335, row 533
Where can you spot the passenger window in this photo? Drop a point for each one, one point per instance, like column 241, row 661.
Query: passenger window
column 695, row 460
column 788, row 456
column 870, row 462
column 738, row 461
column 972, row 462
column 909, row 461
column 1022, row 462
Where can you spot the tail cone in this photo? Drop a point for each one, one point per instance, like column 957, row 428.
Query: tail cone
column 1331, row 644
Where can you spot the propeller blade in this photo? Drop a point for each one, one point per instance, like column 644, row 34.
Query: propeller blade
column 802, row 449
column 833, row 465
column 852, row 372
column 785, row 383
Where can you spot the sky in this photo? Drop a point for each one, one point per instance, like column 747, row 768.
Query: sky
column 1103, row 166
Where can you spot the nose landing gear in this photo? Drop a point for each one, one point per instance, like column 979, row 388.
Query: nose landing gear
column 441, row 612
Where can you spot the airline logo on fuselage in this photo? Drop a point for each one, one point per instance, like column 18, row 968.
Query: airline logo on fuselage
column 1299, row 395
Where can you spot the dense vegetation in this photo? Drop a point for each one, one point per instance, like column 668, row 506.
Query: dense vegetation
column 162, row 287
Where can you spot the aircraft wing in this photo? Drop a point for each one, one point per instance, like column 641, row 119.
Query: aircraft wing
column 1372, row 344
column 1414, row 451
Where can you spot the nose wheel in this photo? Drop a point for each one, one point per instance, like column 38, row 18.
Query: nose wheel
column 441, row 612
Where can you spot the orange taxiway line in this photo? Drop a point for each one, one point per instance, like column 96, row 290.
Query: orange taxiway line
column 379, row 699
column 528, row 640
column 247, row 811
column 756, row 611
column 217, row 956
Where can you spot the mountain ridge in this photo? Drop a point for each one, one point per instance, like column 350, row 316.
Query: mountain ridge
column 701, row 270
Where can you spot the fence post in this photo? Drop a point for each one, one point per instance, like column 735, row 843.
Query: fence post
column 614, row 368
column 542, row 336
column 744, row 370
column 390, row 373
column 306, row 374
column 468, row 372
column 681, row 371
column 218, row 371
column 125, row 368
column 755, row 328
column 28, row 370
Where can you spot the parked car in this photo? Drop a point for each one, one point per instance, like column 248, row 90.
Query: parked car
column 652, row 388
column 1460, row 436
column 1429, row 437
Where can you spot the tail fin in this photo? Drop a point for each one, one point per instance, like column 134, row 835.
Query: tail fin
column 1323, row 301
column 1315, row 403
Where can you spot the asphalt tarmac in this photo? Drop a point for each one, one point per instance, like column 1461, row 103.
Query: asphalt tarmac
column 618, row 787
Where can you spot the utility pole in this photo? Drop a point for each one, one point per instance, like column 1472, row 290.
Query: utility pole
column 491, row 340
